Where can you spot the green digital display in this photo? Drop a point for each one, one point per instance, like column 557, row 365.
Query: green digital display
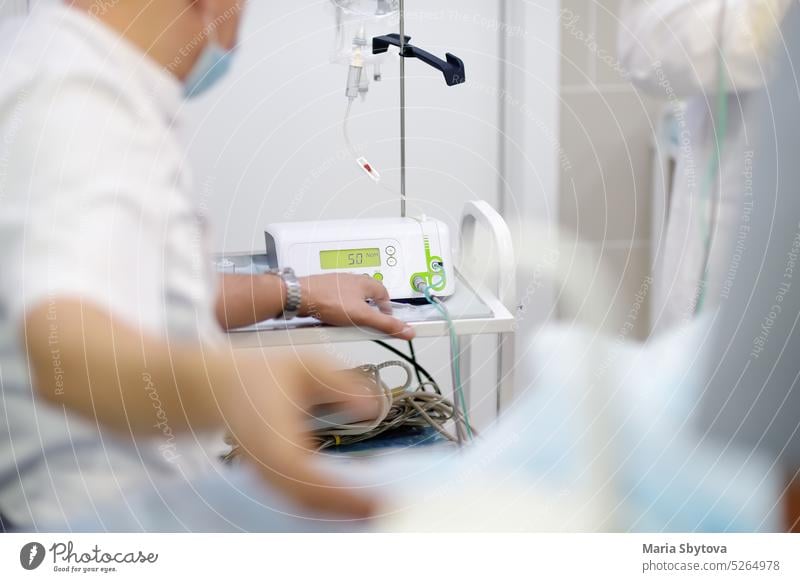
column 350, row 259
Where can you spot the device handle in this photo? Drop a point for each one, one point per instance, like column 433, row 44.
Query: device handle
column 481, row 212
column 453, row 68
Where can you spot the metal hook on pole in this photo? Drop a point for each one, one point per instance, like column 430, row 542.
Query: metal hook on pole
column 452, row 69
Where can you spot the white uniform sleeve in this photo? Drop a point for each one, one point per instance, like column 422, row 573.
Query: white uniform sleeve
column 675, row 42
column 87, row 201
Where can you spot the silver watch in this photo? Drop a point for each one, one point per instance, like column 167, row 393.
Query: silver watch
column 294, row 293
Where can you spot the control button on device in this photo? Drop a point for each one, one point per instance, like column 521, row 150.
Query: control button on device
column 391, row 261
column 390, row 250
column 378, row 276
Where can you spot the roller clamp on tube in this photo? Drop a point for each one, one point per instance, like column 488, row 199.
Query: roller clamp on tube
column 294, row 292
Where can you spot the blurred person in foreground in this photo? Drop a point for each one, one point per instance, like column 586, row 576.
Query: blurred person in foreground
column 113, row 376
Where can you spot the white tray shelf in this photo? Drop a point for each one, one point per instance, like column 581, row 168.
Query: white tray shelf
column 474, row 312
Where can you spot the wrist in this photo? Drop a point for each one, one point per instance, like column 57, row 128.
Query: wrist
column 307, row 308
column 270, row 296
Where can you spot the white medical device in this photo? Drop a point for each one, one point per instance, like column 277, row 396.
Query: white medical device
column 401, row 253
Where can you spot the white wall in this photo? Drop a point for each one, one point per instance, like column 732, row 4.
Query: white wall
column 267, row 145
column 530, row 145
column 607, row 130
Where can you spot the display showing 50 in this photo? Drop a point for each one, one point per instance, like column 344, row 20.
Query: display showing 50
column 350, row 258
column 355, row 259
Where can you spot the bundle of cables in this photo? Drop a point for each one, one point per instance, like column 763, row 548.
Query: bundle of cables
column 421, row 407
column 402, row 407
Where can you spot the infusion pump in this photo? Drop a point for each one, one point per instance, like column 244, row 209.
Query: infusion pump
column 401, row 253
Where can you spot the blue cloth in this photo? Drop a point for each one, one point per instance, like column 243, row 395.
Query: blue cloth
column 663, row 473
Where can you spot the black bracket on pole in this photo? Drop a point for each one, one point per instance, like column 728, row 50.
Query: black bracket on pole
column 452, row 69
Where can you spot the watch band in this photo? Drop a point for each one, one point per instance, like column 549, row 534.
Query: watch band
column 294, row 292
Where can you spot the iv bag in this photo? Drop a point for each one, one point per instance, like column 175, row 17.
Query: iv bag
column 368, row 8
column 357, row 21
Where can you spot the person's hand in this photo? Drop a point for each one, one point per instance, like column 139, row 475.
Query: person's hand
column 267, row 413
column 342, row 300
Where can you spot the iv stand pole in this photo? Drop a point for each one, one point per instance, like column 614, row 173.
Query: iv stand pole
column 452, row 69
column 402, row 109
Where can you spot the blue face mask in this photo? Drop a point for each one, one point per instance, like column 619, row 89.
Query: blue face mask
column 213, row 64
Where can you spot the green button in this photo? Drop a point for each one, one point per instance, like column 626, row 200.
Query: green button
column 378, row 276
